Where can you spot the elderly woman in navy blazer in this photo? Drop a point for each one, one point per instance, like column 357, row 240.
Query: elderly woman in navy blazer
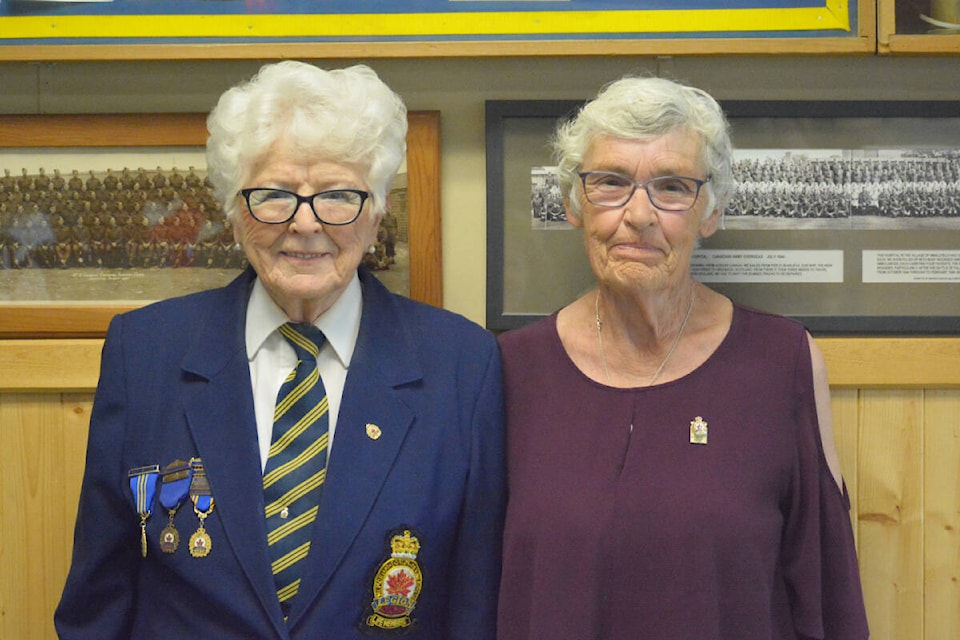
column 181, row 527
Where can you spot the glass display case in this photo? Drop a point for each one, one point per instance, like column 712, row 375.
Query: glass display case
column 919, row 26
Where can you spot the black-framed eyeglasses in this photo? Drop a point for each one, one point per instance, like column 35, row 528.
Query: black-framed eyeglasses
column 675, row 194
column 278, row 206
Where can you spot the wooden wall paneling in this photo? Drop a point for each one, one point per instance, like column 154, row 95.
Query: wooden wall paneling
column 891, row 511
column 896, row 432
column 941, row 542
column 846, row 435
column 892, row 362
column 67, row 364
column 41, row 464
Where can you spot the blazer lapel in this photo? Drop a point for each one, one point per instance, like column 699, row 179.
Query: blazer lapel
column 221, row 419
column 383, row 359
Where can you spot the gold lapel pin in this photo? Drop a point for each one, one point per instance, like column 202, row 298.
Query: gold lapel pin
column 373, row 431
column 698, row 431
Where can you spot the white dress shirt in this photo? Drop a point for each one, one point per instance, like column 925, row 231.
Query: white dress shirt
column 271, row 358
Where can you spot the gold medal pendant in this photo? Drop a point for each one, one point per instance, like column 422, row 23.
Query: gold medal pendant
column 169, row 538
column 200, row 543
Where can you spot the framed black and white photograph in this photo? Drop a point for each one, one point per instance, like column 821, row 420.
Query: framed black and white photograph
column 846, row 216
column 102, row 213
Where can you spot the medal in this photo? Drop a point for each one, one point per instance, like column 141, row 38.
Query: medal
column 176, row 484
column 203, row 506
column 169, row 538
column 200, row 540
column 143, row 485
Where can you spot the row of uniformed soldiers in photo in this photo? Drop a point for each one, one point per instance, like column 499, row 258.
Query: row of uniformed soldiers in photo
column 114, row 220
column 802, row 187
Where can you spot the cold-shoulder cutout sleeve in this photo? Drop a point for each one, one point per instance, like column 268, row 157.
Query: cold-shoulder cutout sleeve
column 819, row 554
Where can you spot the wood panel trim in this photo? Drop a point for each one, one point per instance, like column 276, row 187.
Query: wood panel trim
column 49, row 365
column 892, row 362
column 865, row 43
column 39, row 365
column 104, row 130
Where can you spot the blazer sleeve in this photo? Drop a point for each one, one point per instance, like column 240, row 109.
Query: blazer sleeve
column 98, row 599
column 472, row 596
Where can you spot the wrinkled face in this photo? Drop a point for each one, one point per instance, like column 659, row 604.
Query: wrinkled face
column 303, row 264
column 636, row 244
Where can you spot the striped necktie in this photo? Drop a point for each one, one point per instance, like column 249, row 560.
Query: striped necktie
column 296, row 463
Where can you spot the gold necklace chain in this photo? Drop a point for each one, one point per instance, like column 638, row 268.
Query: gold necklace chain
column 673, row 347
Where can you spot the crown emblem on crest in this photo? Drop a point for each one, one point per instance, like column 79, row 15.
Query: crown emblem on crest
column 404, row 546
column 397, row 583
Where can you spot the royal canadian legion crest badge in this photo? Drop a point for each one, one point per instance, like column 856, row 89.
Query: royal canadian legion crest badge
column 396, row 585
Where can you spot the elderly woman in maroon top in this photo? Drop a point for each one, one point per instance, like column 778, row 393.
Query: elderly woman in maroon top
column 671, row 461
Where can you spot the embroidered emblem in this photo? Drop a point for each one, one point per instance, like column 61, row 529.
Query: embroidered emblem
column 373, row 431
column 698, row 431
column 396, row 585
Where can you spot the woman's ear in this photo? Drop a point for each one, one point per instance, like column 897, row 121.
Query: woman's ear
column 573, row 218
column 710, row 224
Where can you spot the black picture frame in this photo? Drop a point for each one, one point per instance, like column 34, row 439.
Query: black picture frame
column 521, row 290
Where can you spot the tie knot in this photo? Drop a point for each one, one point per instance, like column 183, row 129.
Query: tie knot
column 305, row 339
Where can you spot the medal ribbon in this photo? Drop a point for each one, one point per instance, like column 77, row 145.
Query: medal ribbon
column 172, row 493
column 199, row 487
column 143, row 485
column 203, row 504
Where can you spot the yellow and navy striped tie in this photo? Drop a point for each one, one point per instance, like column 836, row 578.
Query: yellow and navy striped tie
column 296, row 464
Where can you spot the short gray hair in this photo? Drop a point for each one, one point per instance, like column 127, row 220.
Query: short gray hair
column 644, row 108
column 342, row 115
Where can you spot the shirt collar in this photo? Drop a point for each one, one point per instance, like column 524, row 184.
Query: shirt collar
column 340, row 323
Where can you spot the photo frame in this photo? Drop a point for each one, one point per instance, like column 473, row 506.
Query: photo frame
column 298, row 28
column 869, row 271
column 86, row 317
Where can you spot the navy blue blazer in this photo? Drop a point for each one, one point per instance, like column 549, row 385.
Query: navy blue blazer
column 175, row 384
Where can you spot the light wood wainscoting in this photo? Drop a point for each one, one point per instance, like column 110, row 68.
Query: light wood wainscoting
column 896, row 407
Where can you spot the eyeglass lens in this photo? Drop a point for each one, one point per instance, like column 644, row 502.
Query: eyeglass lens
column 337, row 206
column 670, row 193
